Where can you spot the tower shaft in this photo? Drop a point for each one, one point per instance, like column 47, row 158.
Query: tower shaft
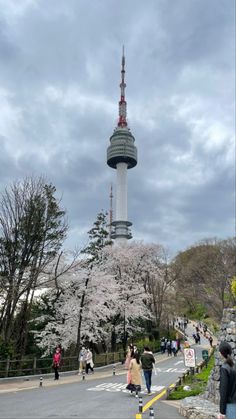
column 121, row 192
column 110, row 212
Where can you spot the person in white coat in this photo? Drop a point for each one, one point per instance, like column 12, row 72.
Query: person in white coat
column 89, row 361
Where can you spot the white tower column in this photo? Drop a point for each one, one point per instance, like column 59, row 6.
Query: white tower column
column 121, row 192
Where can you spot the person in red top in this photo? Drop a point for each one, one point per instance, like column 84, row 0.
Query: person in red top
column 56, row 362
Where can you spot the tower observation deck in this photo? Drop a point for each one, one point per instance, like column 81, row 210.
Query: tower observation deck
column 121, row 155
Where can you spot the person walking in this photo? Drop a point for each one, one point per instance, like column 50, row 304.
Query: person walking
column 147, row 360
column 135, row 374
column 195, row 337
column 89, row 361
column 82, row 359
column 227, row 383
column 211, row 341
column 168, row 347
column 174, row 347
column 56, row 362
column 198, row 338
column 178, row 344
column 128, row 358
column 163, row 345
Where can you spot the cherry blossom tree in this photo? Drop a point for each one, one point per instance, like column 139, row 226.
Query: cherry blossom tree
column 94, row 298
column 83, row 290
column 109, row 295
column 129, row 265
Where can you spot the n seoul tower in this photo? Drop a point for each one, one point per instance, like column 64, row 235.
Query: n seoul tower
column 121, row 155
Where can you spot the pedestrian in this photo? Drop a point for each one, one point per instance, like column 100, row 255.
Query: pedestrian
column 168, row 347
column 135, row 373
column 227, row 383
column 185, row 323
column 129, row 355
column 178, row 344
column 147, row 360
column 211, row 340
column 174, row 347
column 82, row 359
column 56, row 362
column 89, row 361
column 204, row 330
column 136, row 350
column 198, row 338
column 195, row 337
column 163, row 345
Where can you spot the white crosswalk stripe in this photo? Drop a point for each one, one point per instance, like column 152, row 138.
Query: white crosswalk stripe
column 115, row 387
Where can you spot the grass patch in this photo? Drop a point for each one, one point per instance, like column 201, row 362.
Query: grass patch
column 197, row 383
column 180, row 393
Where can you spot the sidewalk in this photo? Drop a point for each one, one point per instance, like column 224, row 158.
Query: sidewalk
column 13, row 384
column 166, row 409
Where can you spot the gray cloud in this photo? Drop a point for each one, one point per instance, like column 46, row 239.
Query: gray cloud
column 59, row 92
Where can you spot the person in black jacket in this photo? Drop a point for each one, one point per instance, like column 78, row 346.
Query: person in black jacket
column 147, row 360
column 227, row 383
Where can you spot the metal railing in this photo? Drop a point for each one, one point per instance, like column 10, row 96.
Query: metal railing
column 33, row 366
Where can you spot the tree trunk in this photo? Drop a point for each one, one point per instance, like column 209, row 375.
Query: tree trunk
column 78, row 340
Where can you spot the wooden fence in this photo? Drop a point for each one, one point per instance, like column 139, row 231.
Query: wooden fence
column 33, row 366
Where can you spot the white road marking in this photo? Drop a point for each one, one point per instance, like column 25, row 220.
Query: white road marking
column 116, row 387
column 179, row 370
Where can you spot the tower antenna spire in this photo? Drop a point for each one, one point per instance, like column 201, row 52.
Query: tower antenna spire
column 122, row 103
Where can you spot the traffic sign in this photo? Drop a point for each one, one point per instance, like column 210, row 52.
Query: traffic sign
column 189, row 357
column 205, row 354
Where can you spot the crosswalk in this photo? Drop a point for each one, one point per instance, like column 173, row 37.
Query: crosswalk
column 182, row 370
column 117, row 387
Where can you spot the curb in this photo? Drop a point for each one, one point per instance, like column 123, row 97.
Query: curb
column 170, row 388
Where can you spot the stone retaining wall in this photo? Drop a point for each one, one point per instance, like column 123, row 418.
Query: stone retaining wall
column 206, row 405
column 227, row 333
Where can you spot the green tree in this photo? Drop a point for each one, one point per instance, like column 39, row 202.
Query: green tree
column 204, row 276
column 98, row 239
column 32, row 230
column 233, row 287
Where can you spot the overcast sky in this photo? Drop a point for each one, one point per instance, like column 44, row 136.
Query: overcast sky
column 60, row 66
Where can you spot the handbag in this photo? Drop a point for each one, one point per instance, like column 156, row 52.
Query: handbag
column 133, row 387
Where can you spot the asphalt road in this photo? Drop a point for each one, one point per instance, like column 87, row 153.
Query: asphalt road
column 100, row 397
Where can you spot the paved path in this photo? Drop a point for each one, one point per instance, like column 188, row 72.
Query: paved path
column 101, row 396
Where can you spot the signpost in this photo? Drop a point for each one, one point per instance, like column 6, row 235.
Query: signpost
column 205, row 356
column 189, row 358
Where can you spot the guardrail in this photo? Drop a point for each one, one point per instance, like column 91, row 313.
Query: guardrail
column 33, row 366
